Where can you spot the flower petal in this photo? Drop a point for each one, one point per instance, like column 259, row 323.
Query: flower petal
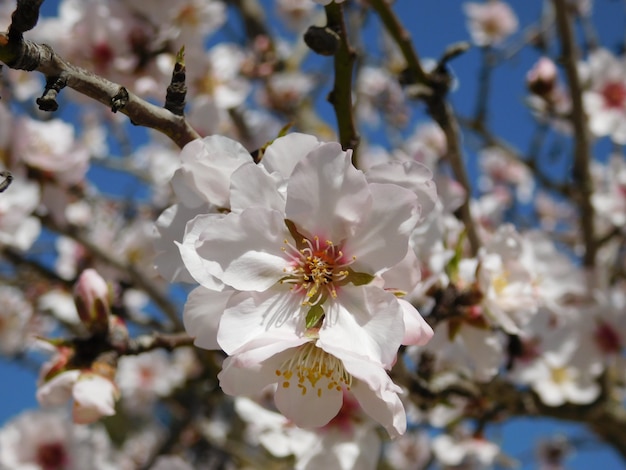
column 284, row 153
column 246, row 248
column 200, row 269
column 254, row 319
column 416, row 331
column 382, row 240
column 377, row 394
column 326, row 195
column 202, row 313
column 366, row 321
column 252, row 186
column 306, row 408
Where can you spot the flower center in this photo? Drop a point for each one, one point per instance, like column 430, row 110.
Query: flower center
column 316, row 269
column 614, row 94
column 607, row 339
column 560, row 375
column 52, row 456
column 313, row 370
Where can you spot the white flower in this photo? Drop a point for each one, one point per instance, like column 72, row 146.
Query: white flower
column 145, row 377
column 50, row 146
column 465, row 451
column 17, row 228
column 509, row 297
column 312, row 372
column 605, row 100
column 48, row 440
column 491, row 22
column 309, row 250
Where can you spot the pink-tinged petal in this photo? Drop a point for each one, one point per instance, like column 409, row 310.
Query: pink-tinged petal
column 252, row 186
column 416, row 331
column 366, row 321
column 206, row 167
column 305, row 407
column 94, row 397
column 412, row 176
column 57, row 390
column 326, row 195
column 202, row 313
column 200, row 269
column 377, row 394
column 382, row 239
column 246, row 248
column 284, row 153
column 253, row 319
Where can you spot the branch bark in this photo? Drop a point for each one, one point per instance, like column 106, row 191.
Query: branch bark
column 582, row 155
column 31, row 56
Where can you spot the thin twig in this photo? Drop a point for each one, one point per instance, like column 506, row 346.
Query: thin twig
column 341, row 95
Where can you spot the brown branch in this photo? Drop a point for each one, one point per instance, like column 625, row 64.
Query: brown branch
column 433, row 88
column 402, row 38
column 341, row 95
column 146, row 343
column 28, row 55
column 582, row 155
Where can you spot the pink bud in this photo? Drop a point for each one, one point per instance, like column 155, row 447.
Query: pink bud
column 541, row 79
column 91, row 295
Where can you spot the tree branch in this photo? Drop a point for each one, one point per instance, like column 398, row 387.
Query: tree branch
column 28, row 55
column 582, row 157
column 341, row 95
column 433, row 88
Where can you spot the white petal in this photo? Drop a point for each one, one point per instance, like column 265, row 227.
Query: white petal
column 246, row 248
column 57, row 390
column 416, row 330
column 410, row 175
column 200, row 269
column 253, row 319
column 366, row 321
column 94, row 397
column 382, row 239
column 326, row 195
column 305, row 407
column 282, row 155
column 252, row 186
column 202, row 313
column 207, row 164
column 377, row 394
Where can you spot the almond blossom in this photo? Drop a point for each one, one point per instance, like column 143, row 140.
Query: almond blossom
column 491, row 22
column 605, row 98
column 311, row 250
column 40, row 439
column 312, row 373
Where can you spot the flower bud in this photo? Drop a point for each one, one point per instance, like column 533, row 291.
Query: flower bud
column 91, row 295
column 541, row 79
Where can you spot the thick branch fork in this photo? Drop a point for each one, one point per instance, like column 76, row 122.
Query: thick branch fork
column 28, row 55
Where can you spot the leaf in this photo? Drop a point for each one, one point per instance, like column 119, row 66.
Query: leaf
column 314, row 316
column 359, row 279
